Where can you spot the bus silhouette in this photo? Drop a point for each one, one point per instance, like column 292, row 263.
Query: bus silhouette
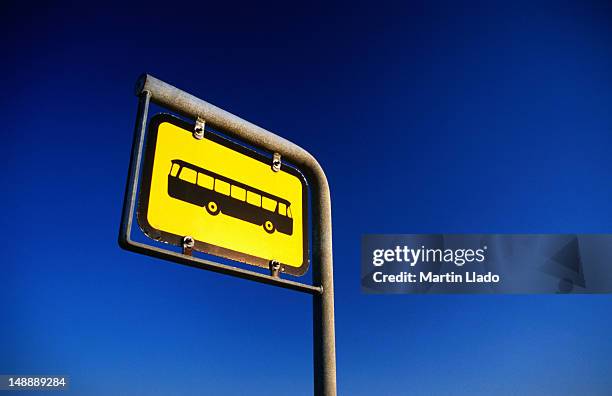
column 220, row 194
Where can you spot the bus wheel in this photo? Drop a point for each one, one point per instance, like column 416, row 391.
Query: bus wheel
column 268, row 226
column 212, row 208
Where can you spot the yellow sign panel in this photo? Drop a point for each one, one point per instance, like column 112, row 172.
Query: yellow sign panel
column 223, row 195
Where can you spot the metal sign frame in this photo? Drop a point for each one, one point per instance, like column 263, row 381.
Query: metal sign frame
column 149, row 89
column 177, row 240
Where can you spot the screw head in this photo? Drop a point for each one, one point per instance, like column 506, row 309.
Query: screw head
column 188, row 242
column 198, row 130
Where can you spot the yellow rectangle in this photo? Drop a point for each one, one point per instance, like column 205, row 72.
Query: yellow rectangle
column 225, row 196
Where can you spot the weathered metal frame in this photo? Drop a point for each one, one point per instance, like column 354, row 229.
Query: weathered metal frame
column 149, row 89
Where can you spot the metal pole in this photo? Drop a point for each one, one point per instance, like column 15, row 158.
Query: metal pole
column 324, row 339
column 323, row 303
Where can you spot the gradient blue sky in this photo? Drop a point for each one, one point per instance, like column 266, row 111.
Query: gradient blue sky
column 426, row 117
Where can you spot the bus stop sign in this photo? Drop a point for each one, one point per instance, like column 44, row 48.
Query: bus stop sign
column 233, row 190
column 226, row 199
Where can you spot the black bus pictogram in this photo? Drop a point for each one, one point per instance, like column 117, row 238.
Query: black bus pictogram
column 220, row 194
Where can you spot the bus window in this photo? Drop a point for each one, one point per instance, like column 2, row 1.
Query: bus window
column 282, row 209
column 253, row 198
column 189, row 175
column 289, row 212
column 222, row 187
column 205, row 181
column 174, row 170
column 269, row 204
column 238, row 193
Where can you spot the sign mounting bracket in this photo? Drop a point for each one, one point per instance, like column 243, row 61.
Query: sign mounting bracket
column 276, row 162
column 188, row 244
column 275, row 269
column 198, row 131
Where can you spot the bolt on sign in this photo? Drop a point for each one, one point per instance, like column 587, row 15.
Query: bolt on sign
column 231, row 200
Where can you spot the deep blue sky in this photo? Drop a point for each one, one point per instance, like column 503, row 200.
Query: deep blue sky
column 426, row 118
